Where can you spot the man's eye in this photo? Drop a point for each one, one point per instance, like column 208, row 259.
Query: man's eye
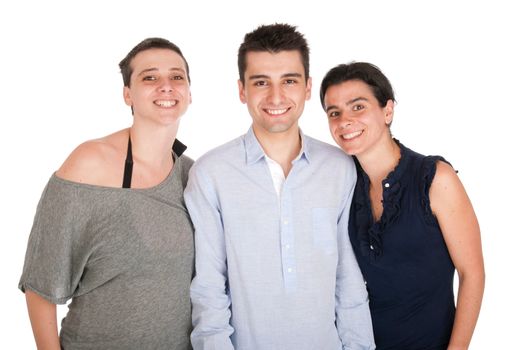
column 357, row 107
column 149, row 78
column 260, row 83
column 290, row 81
column 178, row 77
column 334, row 114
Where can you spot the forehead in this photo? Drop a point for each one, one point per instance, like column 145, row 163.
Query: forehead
column 157, row 58
column 348, row 90
column 273, row 64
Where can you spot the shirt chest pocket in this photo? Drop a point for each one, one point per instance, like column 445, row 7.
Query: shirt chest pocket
column 325, row 229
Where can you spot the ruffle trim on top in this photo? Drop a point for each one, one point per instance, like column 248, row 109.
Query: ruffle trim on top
column 428, row 170
column 370, row 235
column 371, row 238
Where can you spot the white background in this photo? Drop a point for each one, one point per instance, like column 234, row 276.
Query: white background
column 60, row 85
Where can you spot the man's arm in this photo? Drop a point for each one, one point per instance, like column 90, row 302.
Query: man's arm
column 210, row 300
column 353, row 319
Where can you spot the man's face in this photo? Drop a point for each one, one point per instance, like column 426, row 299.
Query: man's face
column 159, row 89
column 275, row 90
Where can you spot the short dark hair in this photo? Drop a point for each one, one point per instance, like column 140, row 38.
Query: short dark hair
column 362, row 71
column 147, row 44
column 273, row 38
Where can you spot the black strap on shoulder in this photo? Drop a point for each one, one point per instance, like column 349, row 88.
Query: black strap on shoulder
column 129, row 165
column 178, row 147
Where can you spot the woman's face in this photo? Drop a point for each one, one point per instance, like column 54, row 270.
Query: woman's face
column 159, row 89
column 356, row 120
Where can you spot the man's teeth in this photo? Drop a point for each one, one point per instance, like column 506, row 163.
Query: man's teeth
column 352, row 135
column 168, row 103
column 277, row 111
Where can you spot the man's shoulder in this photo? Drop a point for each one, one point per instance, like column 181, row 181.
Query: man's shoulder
column 231, row 150
column 325, row 151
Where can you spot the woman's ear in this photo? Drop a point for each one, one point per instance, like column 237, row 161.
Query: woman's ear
column 389, row 112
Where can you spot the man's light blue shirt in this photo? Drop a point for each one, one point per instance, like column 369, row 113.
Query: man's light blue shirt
column 275, row 273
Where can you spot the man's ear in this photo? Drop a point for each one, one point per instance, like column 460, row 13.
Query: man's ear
column 241, row 90
column 309, row 88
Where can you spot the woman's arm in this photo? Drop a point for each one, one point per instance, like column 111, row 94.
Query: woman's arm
column 461, row 232
column 43, row 318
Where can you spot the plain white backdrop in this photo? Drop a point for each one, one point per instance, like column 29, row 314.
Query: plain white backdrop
column 60, row 85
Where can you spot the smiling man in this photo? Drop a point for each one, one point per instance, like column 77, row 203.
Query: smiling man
column 274, row 264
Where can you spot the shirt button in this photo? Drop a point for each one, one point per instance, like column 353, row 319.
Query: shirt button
column 287, row 246
column 289, row 269
column 387, row 185
column 285, row 222
column 371, row 247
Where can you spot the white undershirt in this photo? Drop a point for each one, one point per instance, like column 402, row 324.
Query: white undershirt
column 276, row 171
column 276, row 174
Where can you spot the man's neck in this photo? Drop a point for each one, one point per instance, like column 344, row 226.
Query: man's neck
column 282, row 147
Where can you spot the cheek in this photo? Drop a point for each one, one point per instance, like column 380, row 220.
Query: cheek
column 252, row 101
column 301, row 97
column 333, row 125
column 333, row 128
column 185, row 92
column 138, row 94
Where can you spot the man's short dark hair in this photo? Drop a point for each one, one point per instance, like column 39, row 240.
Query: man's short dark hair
column 273, row 38
column 362, row 71
column 147, row 44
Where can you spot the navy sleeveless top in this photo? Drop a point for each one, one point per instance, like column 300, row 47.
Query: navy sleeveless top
column 403, row 257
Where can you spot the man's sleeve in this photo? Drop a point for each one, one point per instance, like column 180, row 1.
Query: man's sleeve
column 210, row 299
column 353, row 319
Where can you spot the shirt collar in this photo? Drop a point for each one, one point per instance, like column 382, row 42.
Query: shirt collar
column 254, row 151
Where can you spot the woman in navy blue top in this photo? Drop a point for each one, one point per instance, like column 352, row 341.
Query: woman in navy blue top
column 411, row 223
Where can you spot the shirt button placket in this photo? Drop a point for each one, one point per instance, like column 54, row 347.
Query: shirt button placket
column 287, row 240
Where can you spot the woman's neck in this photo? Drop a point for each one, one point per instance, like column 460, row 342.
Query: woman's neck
column 152, row 145
column 379, row 161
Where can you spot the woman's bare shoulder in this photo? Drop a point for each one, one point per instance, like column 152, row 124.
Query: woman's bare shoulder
column 97, row 162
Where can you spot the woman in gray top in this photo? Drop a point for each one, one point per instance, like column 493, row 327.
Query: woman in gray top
column 111, row 230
